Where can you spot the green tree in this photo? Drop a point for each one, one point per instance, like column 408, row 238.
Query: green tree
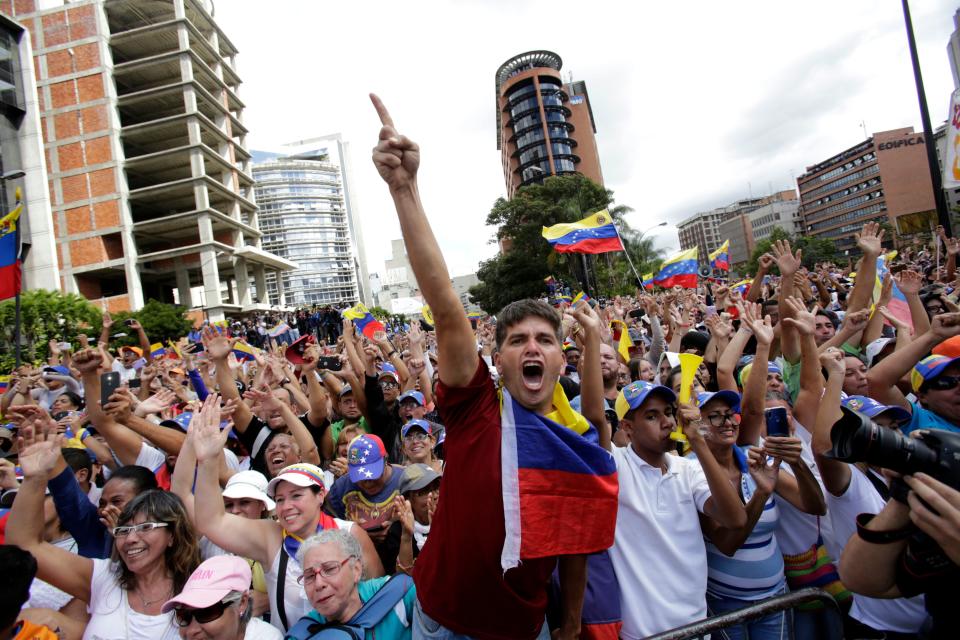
column 520, row 272
column 379, row 313
column 44, row 316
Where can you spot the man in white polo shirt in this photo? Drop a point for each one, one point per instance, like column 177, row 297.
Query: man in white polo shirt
column 658, row 552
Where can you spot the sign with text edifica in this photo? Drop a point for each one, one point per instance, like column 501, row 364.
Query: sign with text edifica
column 904, row 142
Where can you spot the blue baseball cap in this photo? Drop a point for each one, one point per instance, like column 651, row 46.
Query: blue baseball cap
column 57, row 369
column 366, row 457
column 416, row 423
column 928, row 369
column 730, row 397
column 634, row 394
column 413, row 395
column 871, row 408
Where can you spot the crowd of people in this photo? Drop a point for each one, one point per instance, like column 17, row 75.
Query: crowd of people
column 602, row 469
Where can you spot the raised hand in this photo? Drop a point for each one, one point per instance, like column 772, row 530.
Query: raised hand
column 109, row 515
column 416, row 366
column 766, row 262
column 690, row 421
column 909, row 281
column 396, row 157
column 208, row 439
column 120, row 405
column 88, row 360
column 587, row 319
column 107, row 320
column 856, row 321
column 217, row 345
column 764, row 475
column 894, row 321
column 134, row 324
column 338, row 467
column 403, row 511
column 263, row 397
column 945, row 325
column 38, row 459
column 832, row 362
column 805, row 322
column 760, row 326
column 156, row 403
column 787, row 261
column 415, row 335
column 869, row 239
column 785, row 448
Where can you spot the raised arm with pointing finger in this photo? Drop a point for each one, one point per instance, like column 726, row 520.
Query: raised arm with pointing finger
column 397, row 159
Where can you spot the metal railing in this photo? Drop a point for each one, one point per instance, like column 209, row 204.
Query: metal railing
column 762, row 609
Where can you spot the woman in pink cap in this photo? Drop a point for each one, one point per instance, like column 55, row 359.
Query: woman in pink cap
column 299, row 492
column 216, row 604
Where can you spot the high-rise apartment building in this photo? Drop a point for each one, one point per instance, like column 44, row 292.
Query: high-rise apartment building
column 884, row 179
column 545, row 127
column 308, row 216
column 149, row 175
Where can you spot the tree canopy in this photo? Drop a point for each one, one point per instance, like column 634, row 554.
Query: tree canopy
column 520, row 271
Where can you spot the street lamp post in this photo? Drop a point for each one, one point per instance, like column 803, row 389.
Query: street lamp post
column 14, row 175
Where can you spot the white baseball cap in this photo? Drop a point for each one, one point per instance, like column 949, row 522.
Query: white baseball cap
column 249, row 484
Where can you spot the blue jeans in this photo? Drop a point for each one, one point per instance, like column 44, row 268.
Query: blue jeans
column 776, row 626
column 426, row 628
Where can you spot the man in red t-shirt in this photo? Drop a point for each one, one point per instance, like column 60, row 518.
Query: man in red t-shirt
column 462, row 589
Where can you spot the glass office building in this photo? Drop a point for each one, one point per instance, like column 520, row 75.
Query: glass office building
column 303, row 216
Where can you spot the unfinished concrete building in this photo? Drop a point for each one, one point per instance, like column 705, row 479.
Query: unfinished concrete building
column 150, row 179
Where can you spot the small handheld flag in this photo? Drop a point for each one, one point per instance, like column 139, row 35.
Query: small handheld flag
column 157, row 350
column 364, row 320
column 593, row 234
column 279, row 330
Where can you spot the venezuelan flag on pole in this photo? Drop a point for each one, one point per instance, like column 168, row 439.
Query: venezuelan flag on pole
column 743, row 286
column 10, row 273
column 580, row 296
column 679, row 270
column 364, row 320
column 593, row 234
column 4, row 383
column 559, row 488
column 898, row 305
column 157, row 350
column 720, row 259
column 648, row 281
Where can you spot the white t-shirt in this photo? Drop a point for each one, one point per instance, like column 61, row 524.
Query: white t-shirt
column 904, row 615
column 151, row 457
column 797, row 531
column 658, row 552
column 111, row 617
column 43, row 594
column 126, row 375
column 257, row 629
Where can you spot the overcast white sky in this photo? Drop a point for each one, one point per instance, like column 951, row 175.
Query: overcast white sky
column 696, row 103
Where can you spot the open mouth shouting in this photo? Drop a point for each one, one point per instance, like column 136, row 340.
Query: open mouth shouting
column 532, row 375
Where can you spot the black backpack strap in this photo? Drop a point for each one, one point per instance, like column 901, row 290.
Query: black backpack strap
column 281, row 583
column 878, row 484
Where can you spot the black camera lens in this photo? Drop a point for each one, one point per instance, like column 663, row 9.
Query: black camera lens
column 857, row 438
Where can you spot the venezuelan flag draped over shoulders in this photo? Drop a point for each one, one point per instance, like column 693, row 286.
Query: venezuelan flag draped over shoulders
column 593, row 234
column 559, row 487
column 720, row 259
column 9, row 254
column 363, row 320
column 679, row 269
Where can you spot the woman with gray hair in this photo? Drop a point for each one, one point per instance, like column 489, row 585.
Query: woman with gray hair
column 332, row 570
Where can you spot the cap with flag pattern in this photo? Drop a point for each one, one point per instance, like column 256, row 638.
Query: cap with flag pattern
column 634, row 394
column 366, row 457
column 928, row 369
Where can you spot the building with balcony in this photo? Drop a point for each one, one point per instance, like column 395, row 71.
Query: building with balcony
column 884, row 179
column 545, row 127
column 306, row 216
column 745, row 230
column 149, row 176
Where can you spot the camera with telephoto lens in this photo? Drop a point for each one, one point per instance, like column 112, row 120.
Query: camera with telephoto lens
column 857, row 438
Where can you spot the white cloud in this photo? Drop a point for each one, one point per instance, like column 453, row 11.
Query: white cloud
column 696, row 104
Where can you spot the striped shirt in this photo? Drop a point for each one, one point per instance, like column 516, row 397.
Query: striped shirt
column 756, row 570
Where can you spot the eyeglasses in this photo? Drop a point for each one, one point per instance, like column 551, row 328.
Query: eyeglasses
column 943, row 383
column 388, row 384
column 415, row 436
column 718, row 419
column 326, row 570
column 185, row 616
column 143, row 527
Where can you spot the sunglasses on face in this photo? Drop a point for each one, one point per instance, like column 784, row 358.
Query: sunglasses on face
column 185, row 616
column 143, row 527
column 415, row 436
column 943, row 383
column 387, row 384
